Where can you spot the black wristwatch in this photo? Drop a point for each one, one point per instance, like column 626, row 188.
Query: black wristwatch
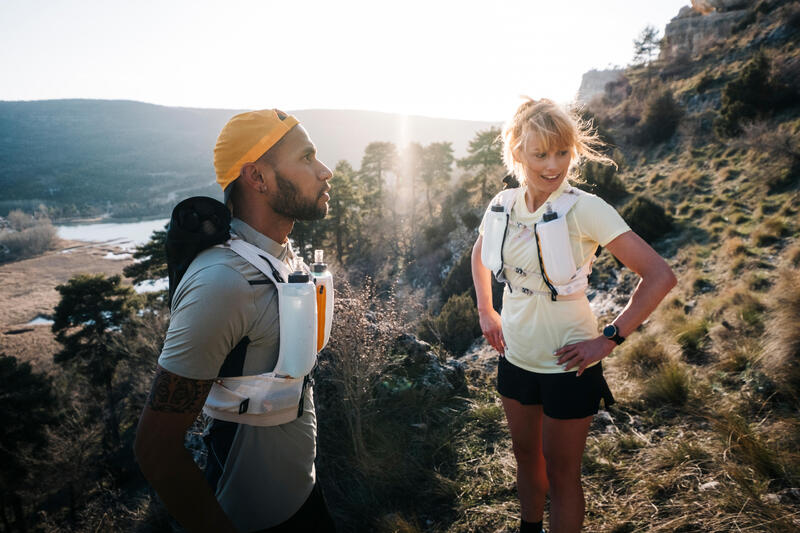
column 611, row 332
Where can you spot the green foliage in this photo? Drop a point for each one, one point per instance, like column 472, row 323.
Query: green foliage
column 459, row 279
column 754, row 93
column 343, row 221
column 29, row 406
column 603, row 181
column 380, row 159
column 91, row 311
column 437, row 162
column 151, row 259
column 456, row 326
column 647, row 218
column 485, row 160
column 646, row 45
column 661, row 117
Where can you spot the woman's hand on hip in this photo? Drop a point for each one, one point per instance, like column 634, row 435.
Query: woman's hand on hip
column 492, row 328
column 584, row 353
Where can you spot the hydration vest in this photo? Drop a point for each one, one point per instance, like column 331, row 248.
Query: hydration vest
column 556, row 262
column 275, row 397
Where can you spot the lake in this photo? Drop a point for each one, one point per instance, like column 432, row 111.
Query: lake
column 126, row 235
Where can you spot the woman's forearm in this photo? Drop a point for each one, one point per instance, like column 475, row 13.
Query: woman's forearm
column 649, row 292
column 481, row 278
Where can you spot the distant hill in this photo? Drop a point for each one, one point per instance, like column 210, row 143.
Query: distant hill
column 131, row 159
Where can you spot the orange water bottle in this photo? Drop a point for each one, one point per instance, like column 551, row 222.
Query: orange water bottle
column 324, row 291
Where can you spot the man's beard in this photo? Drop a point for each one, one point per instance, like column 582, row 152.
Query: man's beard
column 289, row 203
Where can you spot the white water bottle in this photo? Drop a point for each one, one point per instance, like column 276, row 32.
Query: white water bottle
column 555, row 248
column 324, row 295
column 298, row 324
column 494, row 231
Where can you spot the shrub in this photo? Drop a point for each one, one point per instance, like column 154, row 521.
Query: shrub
column 20, row 220
column 752, row 94
column 15, row 245
column 670, row 385
column 661, row 117
column 456, row 326
column 781, row 356
column 647, row 218
column 459, row 279
column 603, row 181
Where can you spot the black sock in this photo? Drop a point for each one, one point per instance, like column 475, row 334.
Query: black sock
column 530, row 527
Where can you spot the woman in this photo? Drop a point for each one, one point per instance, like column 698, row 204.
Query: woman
column 549, row 374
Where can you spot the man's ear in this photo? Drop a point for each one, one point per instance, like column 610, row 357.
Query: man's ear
column 255, row 177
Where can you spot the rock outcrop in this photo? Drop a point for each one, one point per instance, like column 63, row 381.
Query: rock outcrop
column 696, row 27
column 594, row 83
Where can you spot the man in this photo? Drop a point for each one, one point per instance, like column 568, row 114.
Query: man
column 225, row 322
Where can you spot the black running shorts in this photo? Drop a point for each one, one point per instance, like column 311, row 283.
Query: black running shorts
column 562, row 395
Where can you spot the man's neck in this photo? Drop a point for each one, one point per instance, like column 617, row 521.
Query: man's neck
column 276, row 227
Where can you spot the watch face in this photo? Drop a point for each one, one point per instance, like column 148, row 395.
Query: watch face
column 610, row 330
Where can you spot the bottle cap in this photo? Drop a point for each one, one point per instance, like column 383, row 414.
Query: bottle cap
column 298, row 277
column 318, row 256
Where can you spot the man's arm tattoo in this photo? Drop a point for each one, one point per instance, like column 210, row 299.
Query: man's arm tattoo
column 176, row 394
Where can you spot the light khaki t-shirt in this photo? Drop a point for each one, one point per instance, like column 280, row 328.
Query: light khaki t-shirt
column 269, row 471
column 534, row 326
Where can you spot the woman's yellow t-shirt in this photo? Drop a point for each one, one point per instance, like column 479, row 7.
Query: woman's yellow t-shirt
column 534, row 326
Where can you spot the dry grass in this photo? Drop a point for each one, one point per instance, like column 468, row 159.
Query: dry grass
column 668, row 385
column 781, row 354
column 643, row 355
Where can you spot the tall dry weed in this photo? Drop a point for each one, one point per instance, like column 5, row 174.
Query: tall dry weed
column 781, row 353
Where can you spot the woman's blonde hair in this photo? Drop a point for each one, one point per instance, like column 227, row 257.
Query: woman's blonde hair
column 556, row 128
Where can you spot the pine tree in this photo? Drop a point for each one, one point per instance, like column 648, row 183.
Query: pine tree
column 437, row 163
column 93, row 310
column 484, row 160
column 29, row 405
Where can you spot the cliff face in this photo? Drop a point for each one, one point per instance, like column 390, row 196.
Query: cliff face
column 595, row 82
column 705, row 22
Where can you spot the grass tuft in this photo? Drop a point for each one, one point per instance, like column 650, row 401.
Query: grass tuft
column 692, row 340
column 781, row 355
column 643, row 356
column 669, row 385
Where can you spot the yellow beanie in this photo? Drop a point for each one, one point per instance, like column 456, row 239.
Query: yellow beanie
column 245, row 138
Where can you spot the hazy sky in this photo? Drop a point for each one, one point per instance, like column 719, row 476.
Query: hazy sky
column 458, row 59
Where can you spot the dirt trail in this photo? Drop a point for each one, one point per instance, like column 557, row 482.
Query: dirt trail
column 28, row 290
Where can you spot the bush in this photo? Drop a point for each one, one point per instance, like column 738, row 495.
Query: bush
column 459, row 279
column 603, row 181
column 15, row 245
column 754, row 93
column 20, row 220
column 647, row 218
column 661, row 117
column 456, row 326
